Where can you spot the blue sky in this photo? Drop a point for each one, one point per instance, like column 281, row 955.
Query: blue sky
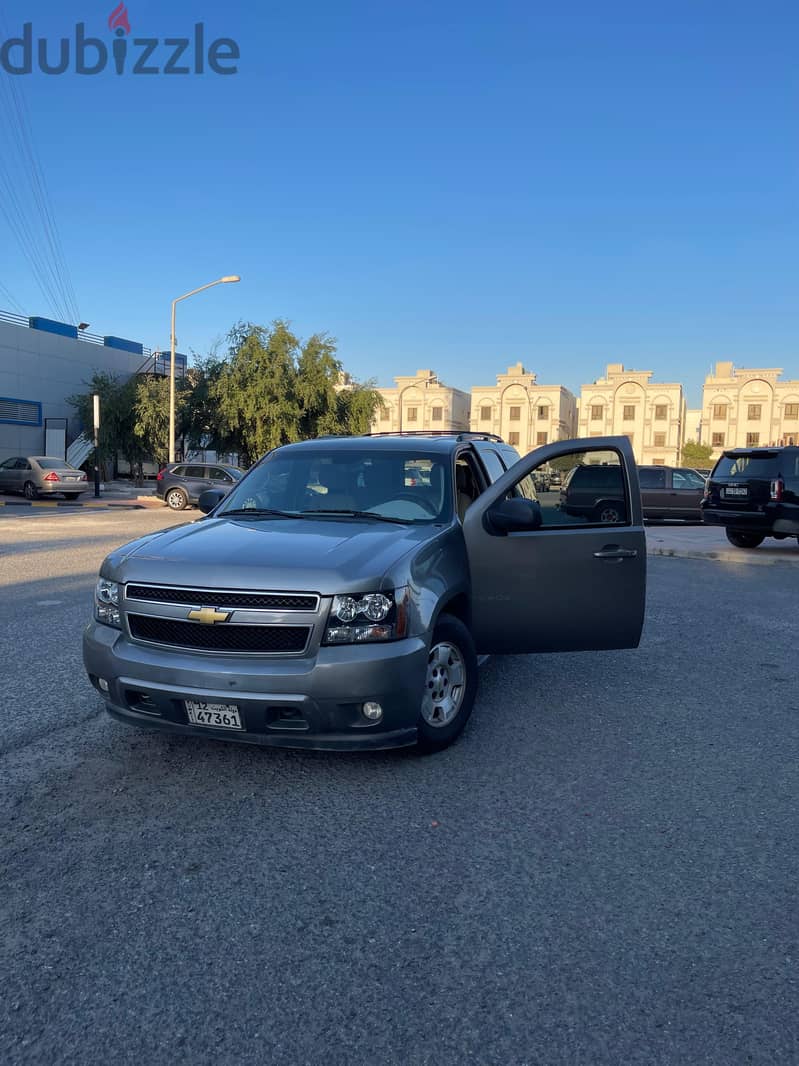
column 455, row 186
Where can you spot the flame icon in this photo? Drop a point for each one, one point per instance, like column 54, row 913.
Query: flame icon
column 118, row 19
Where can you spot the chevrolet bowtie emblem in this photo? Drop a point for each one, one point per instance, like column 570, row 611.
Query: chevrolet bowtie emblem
column 208, row 616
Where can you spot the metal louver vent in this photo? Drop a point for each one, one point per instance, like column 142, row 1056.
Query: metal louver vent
column 27, row 411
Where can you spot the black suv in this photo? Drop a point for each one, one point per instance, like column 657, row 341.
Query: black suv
column 754, row 494
column 595, row 493
column 181, row 484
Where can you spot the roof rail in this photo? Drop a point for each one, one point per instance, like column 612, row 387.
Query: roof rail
column 458, row 434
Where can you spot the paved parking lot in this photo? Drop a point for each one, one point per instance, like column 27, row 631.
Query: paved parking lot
column 602, row 870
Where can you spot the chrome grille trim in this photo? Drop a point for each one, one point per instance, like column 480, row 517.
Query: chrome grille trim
column 137, row 592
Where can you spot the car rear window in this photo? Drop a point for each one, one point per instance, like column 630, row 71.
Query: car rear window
column 747, row 466
column 54, row 464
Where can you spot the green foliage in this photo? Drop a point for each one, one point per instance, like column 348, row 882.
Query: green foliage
column 694, row 454
column 271, row 389
column 565, row 462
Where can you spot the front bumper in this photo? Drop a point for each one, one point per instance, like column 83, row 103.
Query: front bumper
column 290, row 702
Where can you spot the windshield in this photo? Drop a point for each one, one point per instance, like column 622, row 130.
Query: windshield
column 406, row 486
column 747, row 466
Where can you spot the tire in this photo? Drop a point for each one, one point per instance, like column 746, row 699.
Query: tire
column 450, row 685
column 742, row 539
column 176, row 499
column 608, row 513
column 30, row 491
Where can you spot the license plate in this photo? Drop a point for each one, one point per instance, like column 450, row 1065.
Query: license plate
column 68, row 478
column 736, row 490
column 215, row 715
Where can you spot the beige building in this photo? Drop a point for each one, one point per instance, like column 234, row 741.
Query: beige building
column 522, row 412
column 747, row 408
column 422, row 402
column 693, row 428
column 626, row 402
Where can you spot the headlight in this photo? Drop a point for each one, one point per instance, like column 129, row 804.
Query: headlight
column 368, row 617
column 106, row 603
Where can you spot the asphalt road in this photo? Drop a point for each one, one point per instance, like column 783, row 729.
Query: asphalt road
column 602, row 870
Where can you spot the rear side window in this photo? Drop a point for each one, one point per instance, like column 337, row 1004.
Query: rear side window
column 741, row 467
column 652, row 479
column 179, row 471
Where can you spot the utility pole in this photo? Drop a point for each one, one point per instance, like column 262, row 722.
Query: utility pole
column 96, row 399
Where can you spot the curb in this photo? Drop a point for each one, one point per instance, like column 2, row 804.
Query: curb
column 52, row 504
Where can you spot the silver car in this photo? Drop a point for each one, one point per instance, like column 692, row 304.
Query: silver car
column 41, row 475
column 342, row 594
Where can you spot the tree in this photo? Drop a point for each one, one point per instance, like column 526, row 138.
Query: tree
column 357, row 404
column 256, row 391
column 694, row 454
column 117, row 436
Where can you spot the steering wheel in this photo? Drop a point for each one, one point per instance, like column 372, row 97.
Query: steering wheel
column 420, row 501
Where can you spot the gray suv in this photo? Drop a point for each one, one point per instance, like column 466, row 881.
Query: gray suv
column 343, row 593
column 181, row 484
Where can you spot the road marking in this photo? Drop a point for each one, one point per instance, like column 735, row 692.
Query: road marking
column 48, row 603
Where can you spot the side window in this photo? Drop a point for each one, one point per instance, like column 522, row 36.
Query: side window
column 195, row 471
column 179, row 471
column 467, row 483
column 687, row 479
column 216, row 473
column 653, row 479
column 492, row 463
column 593, row 491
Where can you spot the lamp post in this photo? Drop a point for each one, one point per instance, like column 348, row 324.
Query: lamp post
column 219, row 281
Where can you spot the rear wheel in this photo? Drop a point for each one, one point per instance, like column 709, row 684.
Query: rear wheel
column 609, row 513
column 30, row 491
column 176, row 499
column 450, row 685
column 741, row 539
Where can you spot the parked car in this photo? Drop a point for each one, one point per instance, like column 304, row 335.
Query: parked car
column 182, row 484
column 754, row 494
column 595, row 492
column 42, row 475
column 671, row 492
column 353, row 618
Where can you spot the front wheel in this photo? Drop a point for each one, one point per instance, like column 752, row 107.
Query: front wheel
column 177, row 499
column 450, row 685
column 742, row 539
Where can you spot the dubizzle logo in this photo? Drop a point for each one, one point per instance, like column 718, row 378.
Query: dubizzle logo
column 139, row 55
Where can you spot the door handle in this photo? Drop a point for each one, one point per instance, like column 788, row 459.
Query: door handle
column 616, row 553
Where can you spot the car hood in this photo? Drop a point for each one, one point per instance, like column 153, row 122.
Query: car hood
column 327, row 556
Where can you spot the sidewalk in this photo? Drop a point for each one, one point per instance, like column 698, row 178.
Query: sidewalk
column 112, row 494
column 710, row 542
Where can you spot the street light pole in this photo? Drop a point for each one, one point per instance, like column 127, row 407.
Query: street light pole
column 219, row 281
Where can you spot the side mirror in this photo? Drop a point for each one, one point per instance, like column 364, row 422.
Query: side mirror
column 210, row 498
column 514, row 515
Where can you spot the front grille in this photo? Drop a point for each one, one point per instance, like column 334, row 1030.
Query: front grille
column 222, row 637
column 270, row 601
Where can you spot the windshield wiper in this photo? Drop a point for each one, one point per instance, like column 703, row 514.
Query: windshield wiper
column 359, row 514
column 257, row 512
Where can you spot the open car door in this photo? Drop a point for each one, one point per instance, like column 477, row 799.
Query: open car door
column 565, row 569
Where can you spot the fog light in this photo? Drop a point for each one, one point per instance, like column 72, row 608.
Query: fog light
column 102, row 684
column 372, row 711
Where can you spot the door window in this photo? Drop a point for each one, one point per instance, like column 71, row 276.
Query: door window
column 652, row 479
column 467, row 483
column 216, row 473
column 492, row 463
column 9, row 464
column 195, row 471
column 593, row 492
